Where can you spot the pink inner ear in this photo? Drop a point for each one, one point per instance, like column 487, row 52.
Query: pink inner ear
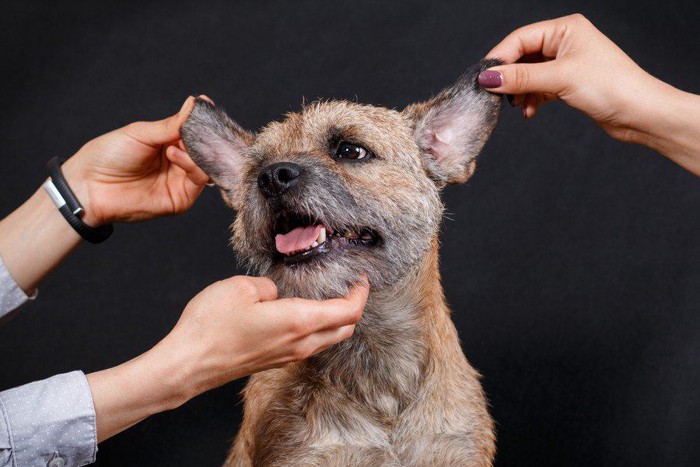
column 439, row 144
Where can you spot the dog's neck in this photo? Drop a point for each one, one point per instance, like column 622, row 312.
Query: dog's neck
column 396, row 341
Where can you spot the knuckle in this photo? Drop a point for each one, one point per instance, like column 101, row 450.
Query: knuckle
column 578, row 18
column 133, row 126
column 267, row 282
column 300, row 323
column 357, row 314
column 180, row 208
column 522, row 78
column 347, row 332
column 243, row 286
column 302, row 352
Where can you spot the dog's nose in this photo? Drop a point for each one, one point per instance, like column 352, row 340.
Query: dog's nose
column 276, row 179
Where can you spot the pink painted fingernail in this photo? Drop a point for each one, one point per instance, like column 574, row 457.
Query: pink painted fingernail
column 490, row 79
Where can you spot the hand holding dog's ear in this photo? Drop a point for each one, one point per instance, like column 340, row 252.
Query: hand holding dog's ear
column 137, row 172
column 216, row 143
column 568, row 58
column 452, row 127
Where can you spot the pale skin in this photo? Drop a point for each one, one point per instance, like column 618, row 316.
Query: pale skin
column 569, row 59
column 231, row 329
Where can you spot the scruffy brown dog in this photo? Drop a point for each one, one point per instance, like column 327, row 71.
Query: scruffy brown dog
column 333, row 192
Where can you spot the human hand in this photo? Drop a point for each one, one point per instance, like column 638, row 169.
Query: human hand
column 569, row 59
column 237, row 327
column 231, row 329
column 135, row 173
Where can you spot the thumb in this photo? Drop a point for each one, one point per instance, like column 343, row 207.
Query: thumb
column 523, row 78
column 162, row 131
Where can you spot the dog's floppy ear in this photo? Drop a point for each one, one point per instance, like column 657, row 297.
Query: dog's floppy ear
column 216, row 144
column 452, row 127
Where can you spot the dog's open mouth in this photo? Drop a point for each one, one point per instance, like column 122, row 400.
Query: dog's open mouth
column 299, row 238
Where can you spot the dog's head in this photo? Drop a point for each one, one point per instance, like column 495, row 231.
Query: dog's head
column 342, row 189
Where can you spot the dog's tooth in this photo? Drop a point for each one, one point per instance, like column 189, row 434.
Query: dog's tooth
column 321, row 236
column 314, row 244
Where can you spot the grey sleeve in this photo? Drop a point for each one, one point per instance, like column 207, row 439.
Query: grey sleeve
column 48, row 423
column 11, row 294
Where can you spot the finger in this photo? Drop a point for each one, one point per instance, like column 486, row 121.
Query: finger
column 183, row 160
column 547, row 97
column 266, row 289
column 262, row 289
column 529, row 107
column 523, row 78
column 313, row 315
column 320, row 341
column 537, row 38
column 206, row 98
column 162, row 131
column 516, row 100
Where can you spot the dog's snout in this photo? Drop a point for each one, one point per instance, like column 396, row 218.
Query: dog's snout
column 276, row 179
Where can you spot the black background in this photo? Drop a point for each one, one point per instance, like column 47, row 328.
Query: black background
column 572, row 261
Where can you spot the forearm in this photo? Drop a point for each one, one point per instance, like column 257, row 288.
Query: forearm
column 669, row 123
column 151, row 383
column 34, row 239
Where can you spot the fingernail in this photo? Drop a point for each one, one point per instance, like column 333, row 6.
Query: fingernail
column 490, row 79
column 207, row 98
column 185, row 104
column 511, row 99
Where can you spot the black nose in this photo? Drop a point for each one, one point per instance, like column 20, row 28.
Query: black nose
column 276, row 179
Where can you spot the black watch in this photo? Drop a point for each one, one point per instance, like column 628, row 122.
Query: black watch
column 66, row 202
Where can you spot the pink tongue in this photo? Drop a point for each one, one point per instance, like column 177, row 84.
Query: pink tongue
column 297, row 240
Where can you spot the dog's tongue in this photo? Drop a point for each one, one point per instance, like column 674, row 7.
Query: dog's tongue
column 297, row 240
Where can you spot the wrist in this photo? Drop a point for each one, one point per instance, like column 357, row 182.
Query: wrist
column 78, row 179
column 170, row 376
column 34, row 239
column 669, row 123
column 151, row 383
column 195, row 365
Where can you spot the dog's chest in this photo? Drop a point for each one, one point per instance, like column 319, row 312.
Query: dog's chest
column 346, row 421
column 353, row 395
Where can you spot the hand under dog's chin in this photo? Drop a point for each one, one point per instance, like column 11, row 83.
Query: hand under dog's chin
column 320, row 280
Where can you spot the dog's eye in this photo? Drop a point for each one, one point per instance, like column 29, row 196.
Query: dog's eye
column 352, row 152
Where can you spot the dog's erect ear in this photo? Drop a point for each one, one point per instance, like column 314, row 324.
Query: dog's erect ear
column 452, row 127
column 216, row 144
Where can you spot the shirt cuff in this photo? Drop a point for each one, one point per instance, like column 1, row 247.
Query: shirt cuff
column 50, row 419
column 11, row 294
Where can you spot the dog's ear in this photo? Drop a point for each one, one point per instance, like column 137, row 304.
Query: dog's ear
column 216, row 144
column 452, row 127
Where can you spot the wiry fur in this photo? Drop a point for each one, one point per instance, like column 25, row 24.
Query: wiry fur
column 399, row 391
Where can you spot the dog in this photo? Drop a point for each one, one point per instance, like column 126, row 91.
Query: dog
column 330, row 193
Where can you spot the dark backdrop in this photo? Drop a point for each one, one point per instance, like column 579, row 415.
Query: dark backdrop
column 572, row 261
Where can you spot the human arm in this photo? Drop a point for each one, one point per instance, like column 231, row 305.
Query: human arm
column 131, row 174
column 569, row 59
column 232, row 329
